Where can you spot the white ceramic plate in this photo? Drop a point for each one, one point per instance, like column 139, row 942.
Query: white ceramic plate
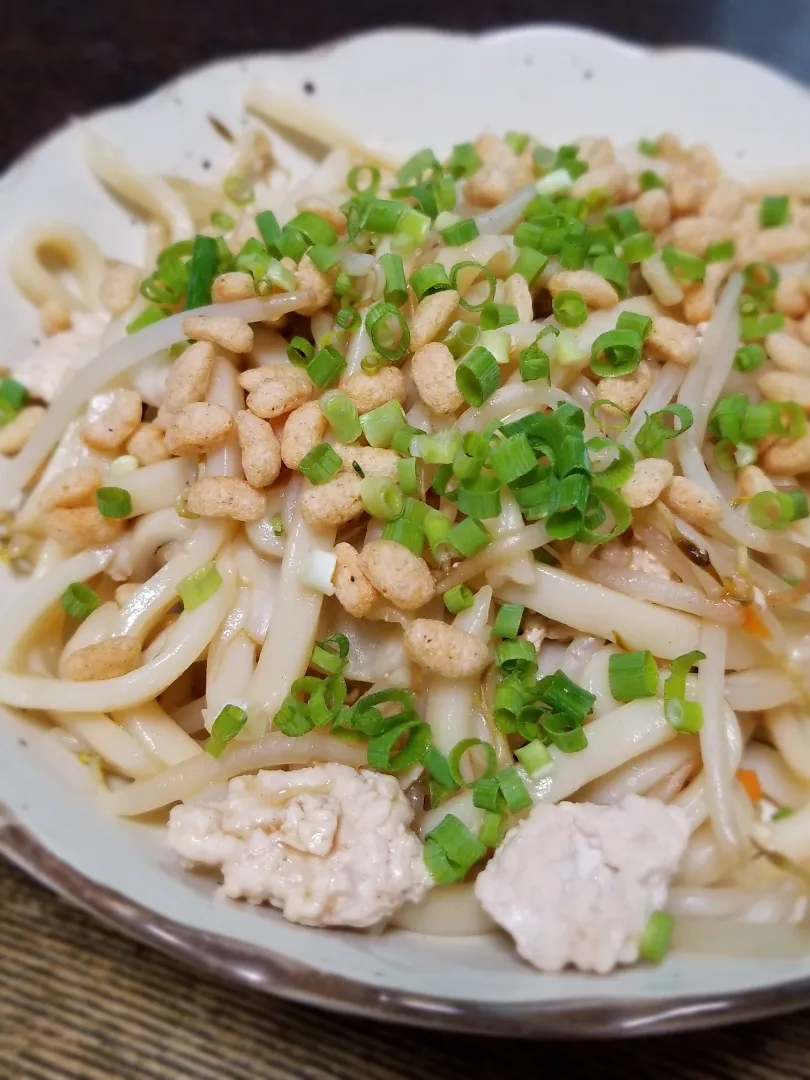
column 558, row 83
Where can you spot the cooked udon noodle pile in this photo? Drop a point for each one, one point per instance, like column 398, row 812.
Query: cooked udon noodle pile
column 431, row 535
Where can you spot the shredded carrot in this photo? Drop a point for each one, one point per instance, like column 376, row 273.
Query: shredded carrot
column 753, row 623
column 750, row 781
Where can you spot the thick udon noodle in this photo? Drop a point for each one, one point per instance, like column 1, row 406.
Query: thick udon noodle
column 255, row 635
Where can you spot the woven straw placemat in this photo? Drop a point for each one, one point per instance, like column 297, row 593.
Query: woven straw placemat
column 77, row 1002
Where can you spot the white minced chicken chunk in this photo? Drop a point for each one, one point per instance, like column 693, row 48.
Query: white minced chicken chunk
column 575, row 883
column 328, row 845
column 58, row 357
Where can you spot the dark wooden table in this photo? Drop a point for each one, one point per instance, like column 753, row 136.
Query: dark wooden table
column 78, row 1002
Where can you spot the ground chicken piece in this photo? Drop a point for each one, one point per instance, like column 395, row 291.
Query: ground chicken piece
column 575, row 883
column 58, row 357
column 328, row 845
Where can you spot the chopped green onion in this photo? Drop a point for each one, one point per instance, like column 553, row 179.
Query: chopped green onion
column 13, row 394
column 623, row 222
column 406, row 533
column 199, row 586
column 654, row 433
column 756, row 327
column 390, row 343
column 749, row 358
column 395, row 290
column 565, row 732
column 412, row 228
column 79, row 600
column 654, row 944
column 534, row 363
column 383, row 216
column 323, row 257
column 437, row 530
column 477, row 376
column 496, row 342
column 493, row 829
column 381, row 497
column 563, row 695
column 292, row 243
column 615, row 462
column 469, row 537
column 613, row 270
column 486, row 794
column 417, row 166
column 534, row 756
column 529, row 235
column 461, row 232
column 512, row 458
column 238, row 189
column 114, row 502
column 315, row 228
column 777, row 509
column 320, row 464
column 638, row 247
column 437, row 765
column 632, row 675
column 685, row 716
column 507, row 621
column 459, row 598
column 409, row 476
column 460, row 338
column 517, row 141
column 480, row 497
column 682, row 264
column 616, row 352
column 300, row 351
column 496, row 315
column 221, row 220
column 451, row 850
column 202, row 269
column 573, row 253
column 438, row 449
column 458, row 753
column 348, row 319
column 341, row 415
column 515, row 655
column 277, row 275
column 484, row 272
column 648, row 179
column 569, row 501
column 368, row 174
column 330, row 655
column 380, row 424
column 278, row 525
column 325, row 366
column 774, row 210
column 720, row 252
column 640, row 324
column 647, row 147
column 463, row 161
column 293, row 718
column 514, row 790
column 569, row 308
column 380, row 749
column 429, row 279
column 371, row 363
column 226, row 727
column 606, row 422
column 269, row 230
column 760, row 278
